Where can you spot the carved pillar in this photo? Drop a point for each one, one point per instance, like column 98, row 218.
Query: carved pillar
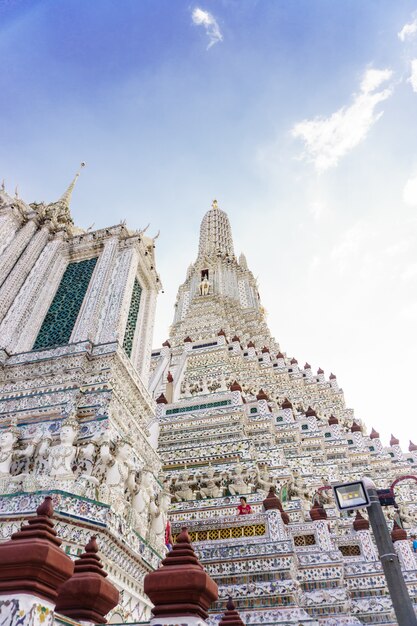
column 15, row 248
column 20, row 272
column 87, row 322
column 141, row 351
column 9, row 223
column 21, row 325
column 116, row 308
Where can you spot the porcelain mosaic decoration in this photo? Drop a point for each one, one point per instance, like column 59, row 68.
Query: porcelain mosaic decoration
column 126, row 438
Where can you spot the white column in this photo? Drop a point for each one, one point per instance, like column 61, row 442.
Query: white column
column 20, row 272
column 15, row 248
column 142, row 347
column 9, row 224
column 88, row 318
column 116, row 307
column 21, row 325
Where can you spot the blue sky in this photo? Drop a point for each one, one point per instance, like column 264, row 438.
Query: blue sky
column 299, row 116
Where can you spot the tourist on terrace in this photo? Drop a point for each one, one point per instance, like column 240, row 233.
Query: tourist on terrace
column 244, row 508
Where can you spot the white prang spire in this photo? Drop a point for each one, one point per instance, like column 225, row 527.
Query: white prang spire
column 215, row 234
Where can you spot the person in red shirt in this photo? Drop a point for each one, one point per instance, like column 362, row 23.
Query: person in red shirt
column 244, row 508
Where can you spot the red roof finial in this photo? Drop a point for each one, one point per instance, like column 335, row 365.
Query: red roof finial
column 235, row 386
column 355, row 428
column 412, row 447
column 333, row 420
column 374, row 434
column 286, row 404
column 170, row 378
column 262, row 395
column 32, row 562
column 181, row 587
column 317, row 512
column 394, row 441
column 161, row 399
column 360, row 523
column 311, row 412
column 231, row 617
column 398, row 533
column 87, row 596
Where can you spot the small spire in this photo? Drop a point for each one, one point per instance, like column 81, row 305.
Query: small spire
column 3, row 185
column 374, row 434
column 16, row 192
column 214, row 204
column 66, row 196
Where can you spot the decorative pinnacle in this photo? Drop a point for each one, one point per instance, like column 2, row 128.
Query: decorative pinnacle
column 66, row 196
column 214, row 204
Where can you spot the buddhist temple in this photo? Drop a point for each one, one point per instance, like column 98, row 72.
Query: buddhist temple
column 144, row 458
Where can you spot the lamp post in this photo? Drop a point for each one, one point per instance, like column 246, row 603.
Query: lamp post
column 364, row 494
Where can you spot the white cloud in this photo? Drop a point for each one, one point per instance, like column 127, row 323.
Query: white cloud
column 328, row 139
column 413, row 77
column 410, row 191
column 317, row 209
column 206, row 19
column 408, row 31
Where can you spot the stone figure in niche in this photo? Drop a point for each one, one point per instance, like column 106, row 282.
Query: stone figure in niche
column 295, row 488
column 158, row 509
column 264, row 480
column 402, row 516
column 213, row 485
column 182, row 487
column 142, row 499
column 40, row 462
column 119, row 472
column 240, row 485
column 205, row 286
column 8, row 440
column 87, row 457
column 61, row 456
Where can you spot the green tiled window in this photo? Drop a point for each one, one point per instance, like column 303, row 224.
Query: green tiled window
column 132, row 318
column 60, row 320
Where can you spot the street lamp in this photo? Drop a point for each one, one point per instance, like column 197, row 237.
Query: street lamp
column 361, row 494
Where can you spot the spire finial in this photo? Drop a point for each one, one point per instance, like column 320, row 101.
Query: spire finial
column 66, row 196
column 3, row 185
column 16, row 192
column 214, row 204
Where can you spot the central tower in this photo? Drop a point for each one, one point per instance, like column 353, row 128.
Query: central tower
column 235, row 417
column 220, row 292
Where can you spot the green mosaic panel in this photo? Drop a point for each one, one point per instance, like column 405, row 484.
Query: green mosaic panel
column 132, row 318
column 198, row 407
column 60, row 320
